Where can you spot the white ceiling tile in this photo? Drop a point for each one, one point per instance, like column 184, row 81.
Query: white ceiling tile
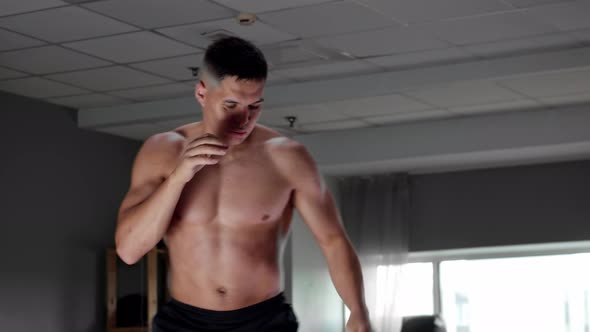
column 6, row 73
column 139, row 132
column 430, row 57
column 88, row 101
column 530, row 44
column 582, row 35
column 64, row 24
column 553, row 84
column 462, row 94
column 328, row 70
column 132, row 47
column 566, row 16
column 378, row 105
column 36, row 87
column 408, row 117
column 160, row 13
column 12, row 41
column 176, row 68
column 9, row 7
column 383, row 41
column 79, row 1
column 327, row 19
column 110, row 78
column 260, row 6
column 276, row 79
column 178, row 122
column 291, row 52
column 195, row 34
column 305, row 114
column 285, row 130
column 490, row 28
column 335, row 125
column 513, row 105
column 564, row 100
column 415, row 11
column 190, row 83
column 48, row 59
column 533, row 3
column 542, row 61
column 155, row 92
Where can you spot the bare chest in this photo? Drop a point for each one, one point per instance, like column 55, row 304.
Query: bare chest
column 239, row 193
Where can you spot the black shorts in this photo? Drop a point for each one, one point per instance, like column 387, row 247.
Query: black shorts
column 272, row 315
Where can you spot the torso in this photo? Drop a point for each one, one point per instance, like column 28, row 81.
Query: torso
column 226, row 237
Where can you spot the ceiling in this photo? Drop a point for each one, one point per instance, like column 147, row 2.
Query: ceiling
column 122, row 55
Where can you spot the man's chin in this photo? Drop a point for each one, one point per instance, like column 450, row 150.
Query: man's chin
column 236, row 137
column 232, row 140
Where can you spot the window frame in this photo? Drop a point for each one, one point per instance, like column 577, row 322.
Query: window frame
column 436, row 257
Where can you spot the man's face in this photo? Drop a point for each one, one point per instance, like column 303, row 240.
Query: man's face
column 231, row 108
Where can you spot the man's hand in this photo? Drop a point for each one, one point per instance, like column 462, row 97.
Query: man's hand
column 204, row 150
column 358, row 322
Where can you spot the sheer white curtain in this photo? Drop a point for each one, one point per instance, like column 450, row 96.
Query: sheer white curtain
column 375, row 213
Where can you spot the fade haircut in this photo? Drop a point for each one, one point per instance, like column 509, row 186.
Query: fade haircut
column 233, row 56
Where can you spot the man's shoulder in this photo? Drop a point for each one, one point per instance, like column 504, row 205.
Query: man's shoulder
column 165, row 141
column 161, row 150
column 288, row 155
column 278, row 144
column 175, row 138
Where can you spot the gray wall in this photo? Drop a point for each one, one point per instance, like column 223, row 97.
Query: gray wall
column 59, row 194
column 315, row 300
column 503, row 206
column 287, row 268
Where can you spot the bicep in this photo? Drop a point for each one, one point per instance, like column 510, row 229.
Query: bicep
column 320, row 214
column 138, row 193
column 150, row 169
column 315, row 203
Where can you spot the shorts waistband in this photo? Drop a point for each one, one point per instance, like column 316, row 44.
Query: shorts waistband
column 240, row 314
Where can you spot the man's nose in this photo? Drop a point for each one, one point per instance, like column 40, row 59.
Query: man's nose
column 243, row 118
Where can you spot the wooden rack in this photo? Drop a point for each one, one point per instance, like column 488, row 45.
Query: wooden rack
column 152, row 290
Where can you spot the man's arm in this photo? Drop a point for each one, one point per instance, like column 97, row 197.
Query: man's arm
column 316, row 205
column 146, row 210
column 164, row 164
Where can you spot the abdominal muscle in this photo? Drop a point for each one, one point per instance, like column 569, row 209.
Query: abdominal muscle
column 223, row 267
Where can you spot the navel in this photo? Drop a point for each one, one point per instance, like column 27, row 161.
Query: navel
column 221, row 291
column 265, row 217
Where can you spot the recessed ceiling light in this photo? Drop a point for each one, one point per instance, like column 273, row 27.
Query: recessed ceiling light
column 246, row 19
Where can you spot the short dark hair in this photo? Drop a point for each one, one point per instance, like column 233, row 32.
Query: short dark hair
column 233, row 56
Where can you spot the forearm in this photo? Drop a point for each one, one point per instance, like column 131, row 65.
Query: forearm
column 141, row 228
column 346, row 273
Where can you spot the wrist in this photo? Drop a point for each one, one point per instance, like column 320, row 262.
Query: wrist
column 360, row 311
column 175, row 179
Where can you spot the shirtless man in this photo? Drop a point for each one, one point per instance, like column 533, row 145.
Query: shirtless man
column 221, row 193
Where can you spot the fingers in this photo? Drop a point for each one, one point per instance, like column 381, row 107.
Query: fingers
column 206, row 139
column 204, row 160
column 206, row 149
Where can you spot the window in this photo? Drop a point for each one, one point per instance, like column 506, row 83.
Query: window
column 416, row 296
column 541, row 294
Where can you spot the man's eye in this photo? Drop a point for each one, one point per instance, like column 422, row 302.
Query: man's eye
column 253, row 108
column 230, row 106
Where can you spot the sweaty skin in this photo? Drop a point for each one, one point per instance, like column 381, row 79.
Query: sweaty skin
column 225, row 225
column 228, row 229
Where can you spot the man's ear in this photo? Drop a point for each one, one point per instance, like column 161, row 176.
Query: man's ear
column 201, row 92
